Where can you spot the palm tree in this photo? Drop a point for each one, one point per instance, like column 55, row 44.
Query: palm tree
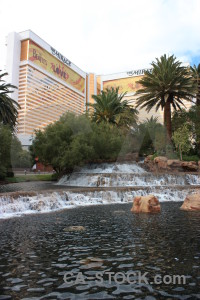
column 166, row 86
column 8, row 107
column 110, row 107
column 196, row 74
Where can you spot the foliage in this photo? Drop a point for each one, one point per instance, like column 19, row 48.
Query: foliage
column 191, row 118
column 11, row 152
column 166, row 85
column 196, row 75
column 19, row 158
column 181, row 138
column 74, row 140
column 8, row 107
column 191, row 158
column 5, row 143
column 106, row 141
column 151, row 137
column 110, row 107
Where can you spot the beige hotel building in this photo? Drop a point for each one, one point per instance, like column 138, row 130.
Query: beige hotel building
column 49, row 84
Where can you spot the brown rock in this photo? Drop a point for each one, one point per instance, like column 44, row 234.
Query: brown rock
column 191, row 203
column 161, row 162
column 174, row 163
column 148, row 158
column 147, row 204
column 149, row 163
column 189, row 166
column 74, row 228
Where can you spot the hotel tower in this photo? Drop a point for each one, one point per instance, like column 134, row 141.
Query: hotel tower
column 49, row 84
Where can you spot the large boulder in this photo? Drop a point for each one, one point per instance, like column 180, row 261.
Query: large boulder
column 161, row 162
column 189, row 166
column 174, row 163
column 191, row 202
column 147, row 204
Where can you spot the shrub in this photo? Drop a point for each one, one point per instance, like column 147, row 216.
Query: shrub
column 191, row 158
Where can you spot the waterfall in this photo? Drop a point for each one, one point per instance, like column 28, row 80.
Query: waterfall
column 101, row 184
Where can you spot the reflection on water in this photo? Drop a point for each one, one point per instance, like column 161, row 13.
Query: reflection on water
column 37, row 250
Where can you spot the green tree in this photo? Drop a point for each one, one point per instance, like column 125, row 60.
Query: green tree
column 181, row 138
column 110, row 107
column 106, row 141
column 19, row 158
column 191, row 119
column 196, row 74
column 5, row 145
column 75, row 140
column 152, row 134
column 8, row 107
column 166, row 86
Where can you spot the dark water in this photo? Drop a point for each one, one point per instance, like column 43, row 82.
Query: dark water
column 36, row 251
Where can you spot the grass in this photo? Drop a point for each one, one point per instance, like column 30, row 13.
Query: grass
column 25, row 178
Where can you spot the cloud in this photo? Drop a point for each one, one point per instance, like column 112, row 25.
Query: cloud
column 109, row 36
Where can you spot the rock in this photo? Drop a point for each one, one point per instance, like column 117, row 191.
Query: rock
column 150, row 163
column 147, row 204
column 74, row 228
column 189, row 166
column 161, row 162
column 148, row 159
column 191, row 202
column 174, row 163
column 39, row 205
column 91, row 263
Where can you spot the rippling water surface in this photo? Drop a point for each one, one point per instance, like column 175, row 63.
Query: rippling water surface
column 37, row 250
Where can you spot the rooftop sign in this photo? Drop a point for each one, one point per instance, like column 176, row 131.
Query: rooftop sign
column 61, row 57
column 138, row 72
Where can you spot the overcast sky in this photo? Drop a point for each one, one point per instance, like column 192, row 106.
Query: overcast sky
column 108, row 36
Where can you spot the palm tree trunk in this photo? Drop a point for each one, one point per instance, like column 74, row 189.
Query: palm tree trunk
column 198, row 93
column 164, row 117
column 168, row 121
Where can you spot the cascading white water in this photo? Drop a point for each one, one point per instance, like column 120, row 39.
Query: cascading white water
column 119, row 175
column 41, row 203
column 125, row 182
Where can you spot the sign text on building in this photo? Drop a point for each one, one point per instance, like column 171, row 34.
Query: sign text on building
column 60, row 56
column 138, row 72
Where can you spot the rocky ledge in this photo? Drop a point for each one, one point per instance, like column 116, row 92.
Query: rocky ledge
column 162, row 164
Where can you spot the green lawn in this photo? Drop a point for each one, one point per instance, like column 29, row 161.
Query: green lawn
column 24, row 178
